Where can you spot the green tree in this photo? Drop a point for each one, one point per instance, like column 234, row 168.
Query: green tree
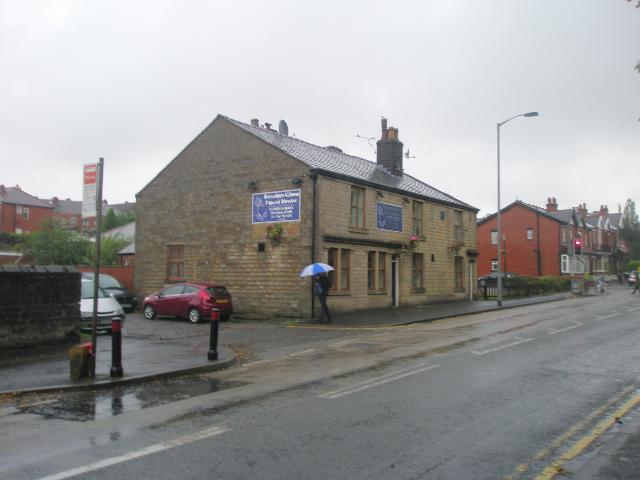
column 109, row 248
column 110, row 221
column 55, row 246
column 631, row 229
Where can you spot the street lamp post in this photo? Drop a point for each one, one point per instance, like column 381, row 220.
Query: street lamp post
column 499, row 272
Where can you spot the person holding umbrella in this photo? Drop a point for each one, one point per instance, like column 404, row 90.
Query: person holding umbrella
column 322, row 285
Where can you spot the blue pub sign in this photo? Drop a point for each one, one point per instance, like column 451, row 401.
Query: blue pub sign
column 389, row 217
column 270, row 207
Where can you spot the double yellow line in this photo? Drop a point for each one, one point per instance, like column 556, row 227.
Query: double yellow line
column 582, row 443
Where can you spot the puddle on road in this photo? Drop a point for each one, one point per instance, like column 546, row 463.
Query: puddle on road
column 95, row 405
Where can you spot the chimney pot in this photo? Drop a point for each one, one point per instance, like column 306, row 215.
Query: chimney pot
column 267, row 125
column 255, row 123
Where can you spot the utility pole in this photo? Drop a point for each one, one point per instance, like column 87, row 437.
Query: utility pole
column 96, row 276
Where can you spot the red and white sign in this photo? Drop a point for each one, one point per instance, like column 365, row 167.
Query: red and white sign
column 90, row 180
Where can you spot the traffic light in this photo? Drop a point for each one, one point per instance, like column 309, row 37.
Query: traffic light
column 577, row 246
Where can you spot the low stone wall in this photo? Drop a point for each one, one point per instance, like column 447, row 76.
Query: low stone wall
column 38, row 305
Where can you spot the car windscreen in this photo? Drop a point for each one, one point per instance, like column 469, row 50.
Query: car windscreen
column 217, row 292
column 87, row 291
column 107, row 281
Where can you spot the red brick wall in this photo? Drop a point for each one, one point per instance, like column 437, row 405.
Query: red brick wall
column 10, row 220
column 521, row 256
column 123, row 274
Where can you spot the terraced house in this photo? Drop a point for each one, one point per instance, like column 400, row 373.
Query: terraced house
column 249, row 206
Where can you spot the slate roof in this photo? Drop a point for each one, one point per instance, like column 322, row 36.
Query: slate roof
column 69, row 207
column 128, row 250
column 123, row 207
column 359, row 169
column 124, row 231
column 16, row 196
column 520, row 203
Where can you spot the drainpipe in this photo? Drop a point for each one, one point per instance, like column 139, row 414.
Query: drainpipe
column 539, row 256
column 314, row 179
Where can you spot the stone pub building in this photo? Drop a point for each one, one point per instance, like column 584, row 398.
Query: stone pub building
column 249, row 206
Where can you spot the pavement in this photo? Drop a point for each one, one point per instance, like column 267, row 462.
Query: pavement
column 46, row 369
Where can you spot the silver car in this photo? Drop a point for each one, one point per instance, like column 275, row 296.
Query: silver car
column 108, row 308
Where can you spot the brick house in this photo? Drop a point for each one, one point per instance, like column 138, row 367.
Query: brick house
column 215, row 213
column 538, row 241
column 21, row 212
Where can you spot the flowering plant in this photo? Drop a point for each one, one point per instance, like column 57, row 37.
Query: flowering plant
column 413, row 241
column 274, row 233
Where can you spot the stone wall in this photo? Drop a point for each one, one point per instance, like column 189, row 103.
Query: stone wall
column 38, row 305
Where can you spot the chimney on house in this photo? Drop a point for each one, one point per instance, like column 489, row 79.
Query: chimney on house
column 389, row 153
column 552, row 205
column 3, row 191
column 55, row 201
column 604, row 210
column 255, row 123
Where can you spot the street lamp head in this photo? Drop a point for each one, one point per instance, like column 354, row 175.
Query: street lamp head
column 530, row 114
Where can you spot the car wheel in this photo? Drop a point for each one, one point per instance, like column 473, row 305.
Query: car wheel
column 149, row 312
column 194, row 315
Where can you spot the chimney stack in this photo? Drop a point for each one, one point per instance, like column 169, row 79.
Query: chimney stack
column 604, row 210
column 389, row 154
column 3, row 191
column 552, row 205
column 255, row 123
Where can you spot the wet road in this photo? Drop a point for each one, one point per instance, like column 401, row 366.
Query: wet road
column 536, row 383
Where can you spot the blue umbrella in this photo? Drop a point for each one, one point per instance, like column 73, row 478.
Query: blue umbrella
column 315, row 269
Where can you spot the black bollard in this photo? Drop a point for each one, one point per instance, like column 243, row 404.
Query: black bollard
column 213, row 336
column 116, row 347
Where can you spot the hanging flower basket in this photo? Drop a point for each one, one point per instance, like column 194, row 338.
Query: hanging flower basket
column 411, row 244
column 274, row 233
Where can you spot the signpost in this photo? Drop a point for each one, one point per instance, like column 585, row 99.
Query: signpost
column 93, row 190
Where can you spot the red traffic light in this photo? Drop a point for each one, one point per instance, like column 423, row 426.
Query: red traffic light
column 577, row 242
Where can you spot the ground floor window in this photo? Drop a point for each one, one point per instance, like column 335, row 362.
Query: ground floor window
column 417, row 269
column 175, row 262
column 494, row 265
column 376, row 271
column 340, row 259
column 564, row 263
column 458, row 274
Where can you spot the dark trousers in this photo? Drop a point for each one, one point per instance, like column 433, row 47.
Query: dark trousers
column 324, row 310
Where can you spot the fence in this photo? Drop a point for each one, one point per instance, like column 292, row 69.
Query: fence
column 520, row 287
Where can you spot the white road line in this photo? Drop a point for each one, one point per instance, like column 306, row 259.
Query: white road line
column 633, row 309
column 390, row 377
column 577, row 324
column 302, row 352
column 614, row 314
column 524, row 340
column 158, row 447
column 251, row 364
column 344, row 342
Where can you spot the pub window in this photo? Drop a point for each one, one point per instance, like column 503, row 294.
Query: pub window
column 382, row 271
column 357, row 207
column 175, row 262
column 371, row 270
column 458, row 229
column 416, row 209
column 458, row 272
column 417, row 267
column 340, row 260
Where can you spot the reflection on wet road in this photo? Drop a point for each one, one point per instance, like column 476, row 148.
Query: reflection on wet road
column 98, row 404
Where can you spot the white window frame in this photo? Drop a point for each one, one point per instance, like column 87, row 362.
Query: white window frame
column 494, row 265
column 529, row 233
column 25, row 213
column 564, row 263
column 494, row 237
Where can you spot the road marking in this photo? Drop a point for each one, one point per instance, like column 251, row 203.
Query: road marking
column 614, row 314
column 302, row 352
column 158, row 447
column 552, row 470
column 491, row 350
column 344, row 342
column 374, row 382
column 553, row 331
column 633, row 309
column 251, row 364
column 573, row 430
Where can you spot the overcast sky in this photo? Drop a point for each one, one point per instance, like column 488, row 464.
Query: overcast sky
column 135, row 81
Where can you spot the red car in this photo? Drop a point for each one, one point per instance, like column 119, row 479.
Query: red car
column 193, row 301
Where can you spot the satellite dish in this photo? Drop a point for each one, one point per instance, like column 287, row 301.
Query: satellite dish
column 283, row 128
